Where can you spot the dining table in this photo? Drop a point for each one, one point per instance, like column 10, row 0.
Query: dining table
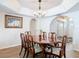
column 44, row 43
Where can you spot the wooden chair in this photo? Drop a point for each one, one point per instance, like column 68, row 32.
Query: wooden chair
column 28, row 32
column 62, row 45
column 23, row 43
column 27, row 45
column 60, row 49
column 43, row 36
column 52, row 37
column 33, row 49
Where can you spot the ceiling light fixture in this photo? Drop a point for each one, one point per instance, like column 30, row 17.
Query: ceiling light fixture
column 39, row 13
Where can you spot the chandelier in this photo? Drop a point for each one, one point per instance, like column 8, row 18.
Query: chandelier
column 39, row 13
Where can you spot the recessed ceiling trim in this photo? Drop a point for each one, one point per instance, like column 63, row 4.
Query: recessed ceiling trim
column 45, row 4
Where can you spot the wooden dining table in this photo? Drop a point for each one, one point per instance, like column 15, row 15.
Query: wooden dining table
column 44, row 43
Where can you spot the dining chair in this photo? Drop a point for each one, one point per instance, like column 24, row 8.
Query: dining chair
column 62, row 45
column 23, row 43
column 43, row 35
column 52, row 38
column 33, row 49
column 44, row 46
column 27, row 45
column 60, row 49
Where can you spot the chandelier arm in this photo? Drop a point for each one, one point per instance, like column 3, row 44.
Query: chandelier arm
column 39, row 4
column 39, row 1
column 39, row 12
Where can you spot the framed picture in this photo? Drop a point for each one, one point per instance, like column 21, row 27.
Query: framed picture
column 13, row 21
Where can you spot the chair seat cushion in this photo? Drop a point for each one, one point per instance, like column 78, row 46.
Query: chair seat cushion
column 37, row 48
column 54, row 50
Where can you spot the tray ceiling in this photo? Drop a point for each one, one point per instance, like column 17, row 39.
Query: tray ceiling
column 46, row 4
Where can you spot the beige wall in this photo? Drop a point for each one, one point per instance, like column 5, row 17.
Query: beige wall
column 10, row 36
column 11, row 4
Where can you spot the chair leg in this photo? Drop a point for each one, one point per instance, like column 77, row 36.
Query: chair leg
column 45, row 55
column 33, row 55
column 33, row 52
column 64, row 55
column 24, row 53
column 27, row 54
column 21, row 51
column 49, row 56
column 51, row 52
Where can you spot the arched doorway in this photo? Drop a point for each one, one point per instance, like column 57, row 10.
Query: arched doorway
column 62, row 25
column 33, row 26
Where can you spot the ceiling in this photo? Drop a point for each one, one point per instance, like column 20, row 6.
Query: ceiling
column 45, row 4
column 30, row 7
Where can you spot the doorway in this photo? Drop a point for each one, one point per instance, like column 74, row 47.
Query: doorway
column 33, row 26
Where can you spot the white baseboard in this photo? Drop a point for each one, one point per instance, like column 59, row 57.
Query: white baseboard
column 10, row 46
column 76, row 49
